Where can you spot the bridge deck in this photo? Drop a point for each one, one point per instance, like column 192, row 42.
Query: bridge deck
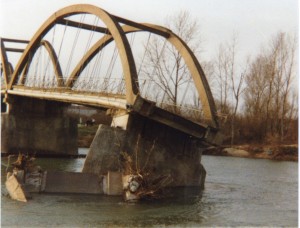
column 75, row 97
column 109, row 101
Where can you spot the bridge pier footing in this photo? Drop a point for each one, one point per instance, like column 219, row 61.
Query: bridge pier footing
column 37, row 126
column 137, row 145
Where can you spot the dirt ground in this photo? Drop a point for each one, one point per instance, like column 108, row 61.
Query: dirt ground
column 273, row 152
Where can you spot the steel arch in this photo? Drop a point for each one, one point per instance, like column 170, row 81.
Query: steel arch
column 115, row 30
column 6, row 67
column 197, row 73
column 54, row 60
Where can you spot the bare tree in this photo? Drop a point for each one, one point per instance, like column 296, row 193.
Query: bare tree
column 222, row 74
column 165, row 66
column 236, row 82
column 230, row 79
column 285, row 75
column 269, row 87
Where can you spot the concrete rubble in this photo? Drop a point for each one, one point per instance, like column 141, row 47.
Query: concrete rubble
column 19, row 186
column 29, row 178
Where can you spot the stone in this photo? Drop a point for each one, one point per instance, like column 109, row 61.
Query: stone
column 130, row 197
column 236, row 152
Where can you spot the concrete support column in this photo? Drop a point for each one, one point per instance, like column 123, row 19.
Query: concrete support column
column 149, row 147
column 38, row 126
column 3, row 104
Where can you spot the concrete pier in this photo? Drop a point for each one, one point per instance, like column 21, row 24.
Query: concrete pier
column 146, row 146
column 37, row 126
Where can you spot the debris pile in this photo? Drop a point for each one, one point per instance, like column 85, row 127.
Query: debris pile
column 141, row 183
column 23, row 177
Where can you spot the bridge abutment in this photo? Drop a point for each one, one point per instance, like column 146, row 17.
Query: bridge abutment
column 138, row 145
column 37, row 126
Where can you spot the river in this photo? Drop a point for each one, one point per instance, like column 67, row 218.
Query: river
column 238, row 192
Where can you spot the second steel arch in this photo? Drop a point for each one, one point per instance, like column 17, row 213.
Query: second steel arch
column 197, row 73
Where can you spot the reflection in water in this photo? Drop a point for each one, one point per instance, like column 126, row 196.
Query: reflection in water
column 238, row 192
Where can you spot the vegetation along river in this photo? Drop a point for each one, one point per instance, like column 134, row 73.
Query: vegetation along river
column 238, row 192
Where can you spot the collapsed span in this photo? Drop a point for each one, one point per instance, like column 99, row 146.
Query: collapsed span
column 115, row 31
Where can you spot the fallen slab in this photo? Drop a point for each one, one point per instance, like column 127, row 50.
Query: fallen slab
column 15, row 188
column 71, row 182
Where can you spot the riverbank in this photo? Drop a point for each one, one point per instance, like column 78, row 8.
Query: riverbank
column 86, row 135
column 273, row 152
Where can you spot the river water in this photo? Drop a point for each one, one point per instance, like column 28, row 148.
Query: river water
column 238, row 192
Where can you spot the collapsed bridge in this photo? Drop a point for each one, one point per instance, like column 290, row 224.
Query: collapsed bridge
column 84, row 55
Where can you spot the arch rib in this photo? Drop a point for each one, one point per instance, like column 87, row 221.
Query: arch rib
column 197, row 73
column 54, row 60
column 115, row 30
column 98, row 46
column 6, row 71
column 201, row 83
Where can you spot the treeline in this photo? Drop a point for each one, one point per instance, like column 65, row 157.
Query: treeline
column 257, row 102
column 256, row 97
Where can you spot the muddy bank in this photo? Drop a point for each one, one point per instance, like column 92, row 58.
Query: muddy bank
column 277, row 152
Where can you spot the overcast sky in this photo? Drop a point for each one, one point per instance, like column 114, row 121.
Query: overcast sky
column 255, row 21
